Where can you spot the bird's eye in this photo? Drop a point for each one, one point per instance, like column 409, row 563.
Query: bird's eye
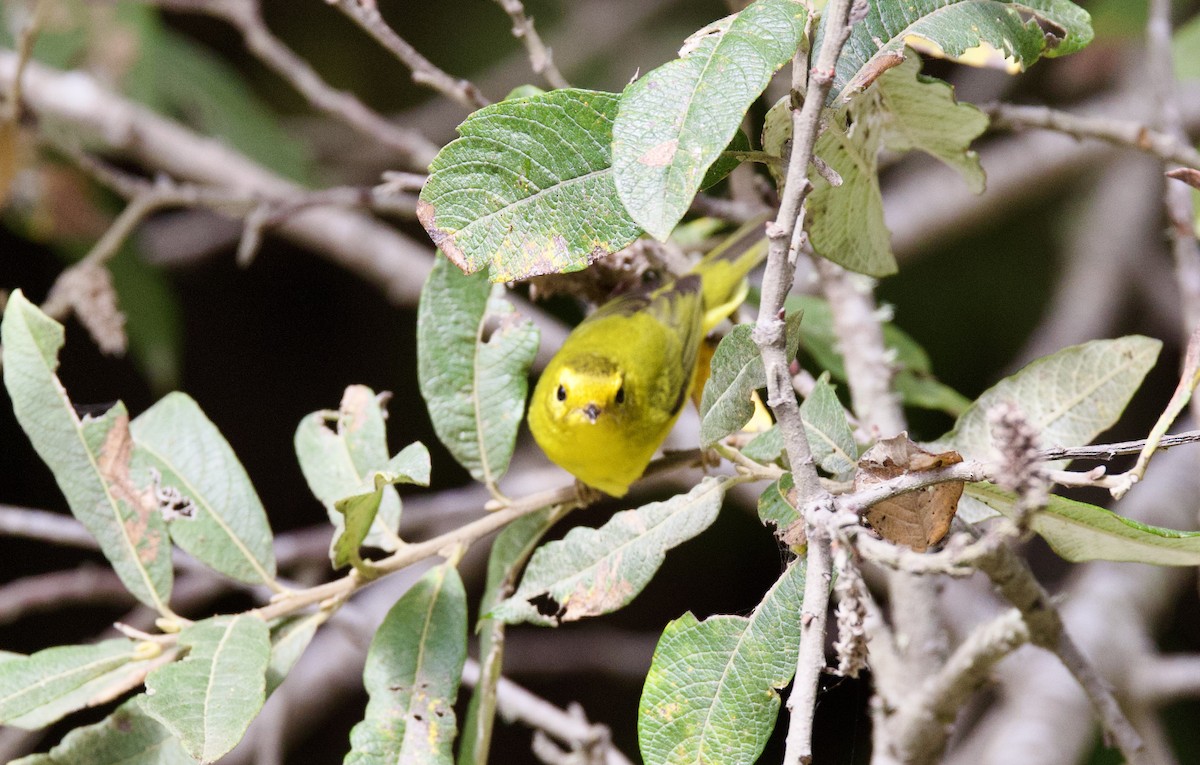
column 562, row 393
column 620, row 397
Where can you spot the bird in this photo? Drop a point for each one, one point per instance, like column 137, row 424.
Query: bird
column 611, row 394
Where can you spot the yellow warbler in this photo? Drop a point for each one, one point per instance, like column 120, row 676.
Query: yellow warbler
column 609, row 397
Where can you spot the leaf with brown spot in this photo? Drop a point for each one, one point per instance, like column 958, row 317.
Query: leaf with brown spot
column 596, row 571
column 660, row 155
column 412, row 674
column 88, row 456
column 918, row 518
column 528, row 187
column 113, row 465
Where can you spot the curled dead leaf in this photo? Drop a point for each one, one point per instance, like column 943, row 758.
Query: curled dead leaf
column 917, row 519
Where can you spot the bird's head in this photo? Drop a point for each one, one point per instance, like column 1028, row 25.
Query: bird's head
column 587, row 391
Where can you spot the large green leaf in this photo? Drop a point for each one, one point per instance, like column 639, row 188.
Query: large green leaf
column 411, row 465
column 39, row 689
column 211, row 696
column 473, row 357
column 677, row 119
column 90, row 457
column 956, row 26
column 339, row 462
column 128, row 736
column 1078, row 531
column 528, row 188
column 211, row 507
column 902, row 112
column 1069, row 397
column 712, row 693
column 595, row 571
column 412, row 675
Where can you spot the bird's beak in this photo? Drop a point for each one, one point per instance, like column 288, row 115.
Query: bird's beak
column 592, row 412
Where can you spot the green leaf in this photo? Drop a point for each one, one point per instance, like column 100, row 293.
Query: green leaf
column 128, row 736
column 1069, row 397
column 828, row 430
column 712, row 693
column 1078, row 531
column 921, row 113
column 90, row 457
column 473, row 357
column 411, row 466
column 510, row 551
column 955, row 26
column 528, row 188
column 339, row 463
column 412, row 675
column 737, row 371
column 42, row 688
column 211, row 696
column 766, row 447
column 846, row 222
column 211, row 507
column 773, row 505
column 595, row 571
column 289, row 638
column 675, row 121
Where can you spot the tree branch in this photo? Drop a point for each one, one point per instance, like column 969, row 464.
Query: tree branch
column 1114, row 130
column 352, row 239
column 785, row 235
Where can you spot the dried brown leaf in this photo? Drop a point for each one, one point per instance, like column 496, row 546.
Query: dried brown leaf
column 917, row 519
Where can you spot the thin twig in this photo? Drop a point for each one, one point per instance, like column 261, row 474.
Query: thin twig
column 1107, row 452
column 540, row 58
column 13, row 101
column 367, row 16
column 259, row 212
column 732, row 210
